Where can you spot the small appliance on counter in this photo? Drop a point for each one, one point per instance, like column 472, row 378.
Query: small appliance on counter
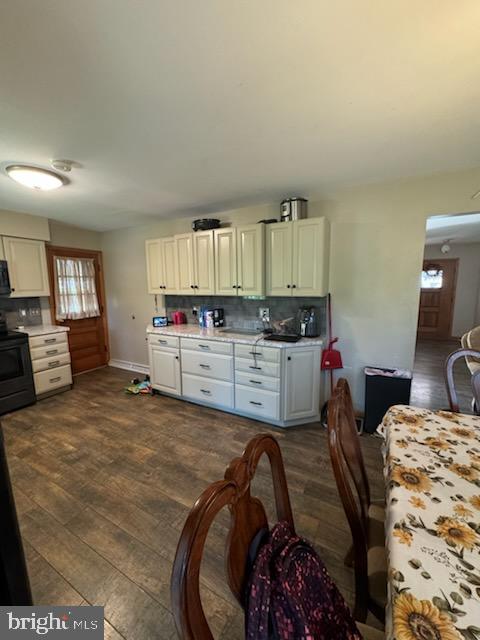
column 160, row 321
column 205, row 224
column 5, row 289
column 178, row 317
column 218, row 317
column 293, row 209
column 307, row 323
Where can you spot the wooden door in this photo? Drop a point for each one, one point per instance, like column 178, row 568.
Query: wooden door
column 251, row 260
column 279, row 259
column 437, row 297
column 203, row 255
column 27, row 266
column 184, row 264
column 225, row 261
column 88, row 337
column 155, row 275
column 169, row 259
column 310, row 257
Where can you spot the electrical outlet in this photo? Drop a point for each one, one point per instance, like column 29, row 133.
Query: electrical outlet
column 264, row 313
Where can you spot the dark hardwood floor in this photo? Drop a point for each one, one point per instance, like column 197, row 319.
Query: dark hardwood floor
column 428, row 385
column 103, row 483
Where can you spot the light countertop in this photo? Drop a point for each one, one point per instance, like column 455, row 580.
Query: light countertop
column 43, row 329
column 194, row 331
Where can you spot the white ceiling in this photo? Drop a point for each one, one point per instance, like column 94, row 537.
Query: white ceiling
column 458, row 228
column 181, row 106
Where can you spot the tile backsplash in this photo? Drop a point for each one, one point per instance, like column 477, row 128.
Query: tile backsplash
column 242, row 312
column 21, row 311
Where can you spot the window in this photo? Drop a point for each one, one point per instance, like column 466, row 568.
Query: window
column 75, row 289
column 432, row 278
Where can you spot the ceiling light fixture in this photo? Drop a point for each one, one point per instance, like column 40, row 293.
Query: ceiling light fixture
column 35, row 177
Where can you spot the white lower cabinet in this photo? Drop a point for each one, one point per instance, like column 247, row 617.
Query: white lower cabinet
column 165, row 369
column 50, row 355
column 277, row 385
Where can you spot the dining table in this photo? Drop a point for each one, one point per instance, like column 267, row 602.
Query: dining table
column 432, row 527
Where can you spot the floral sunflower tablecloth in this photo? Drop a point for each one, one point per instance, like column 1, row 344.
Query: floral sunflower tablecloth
column 432, row 474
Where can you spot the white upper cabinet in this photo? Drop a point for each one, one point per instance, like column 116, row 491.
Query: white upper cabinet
column 203, row 263
column 279, row 259
column 195, row 263
column 226, row 261
column 310, row 257
column 27, row 267
column 169, row 261
column 297, row 258
column 153, row 255
column 184, row 264
column 251, row 260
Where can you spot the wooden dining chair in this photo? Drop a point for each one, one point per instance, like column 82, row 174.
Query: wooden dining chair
column 471, row 355
column 365, row 518
column 247, row 518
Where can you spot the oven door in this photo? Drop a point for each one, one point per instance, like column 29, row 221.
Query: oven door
column 15, row 368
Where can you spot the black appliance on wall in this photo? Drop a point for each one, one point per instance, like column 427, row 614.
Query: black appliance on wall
column 14, row 583
column 5, row 289
column 16, row 377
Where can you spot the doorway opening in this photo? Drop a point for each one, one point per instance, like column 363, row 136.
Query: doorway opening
column 449, row 307
column 78, row 302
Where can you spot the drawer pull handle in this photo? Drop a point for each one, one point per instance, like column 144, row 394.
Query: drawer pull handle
column 256, row 353
column 57, row 379
column 51, row 352
column 255, row 382
column 251, row 366
column 206, row 391
column 204, row 366
column 204, row 346
column 163, row 341
column 257, row 404
column 54, row 363
column 50, row 340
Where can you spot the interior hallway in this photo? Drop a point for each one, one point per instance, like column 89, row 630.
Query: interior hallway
column 428, row 385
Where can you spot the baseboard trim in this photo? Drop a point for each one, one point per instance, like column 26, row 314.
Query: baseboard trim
column 130, row 366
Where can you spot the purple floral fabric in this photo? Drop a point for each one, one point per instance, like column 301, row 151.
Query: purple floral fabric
column 291, row 596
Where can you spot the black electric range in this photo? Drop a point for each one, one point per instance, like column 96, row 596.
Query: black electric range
column 16, row 378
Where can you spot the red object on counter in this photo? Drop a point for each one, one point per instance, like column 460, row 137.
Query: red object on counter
column 178, row 317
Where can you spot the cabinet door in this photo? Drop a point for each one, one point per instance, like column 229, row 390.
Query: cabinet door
column 279, row 259
column 184, row 264
column 27, row 266
column 225, row 261
column 301, row 383
column 165, row 370
column 153, row 254
column 251, row 260
column 203, row 255
column 169, row 255
column 310, row 257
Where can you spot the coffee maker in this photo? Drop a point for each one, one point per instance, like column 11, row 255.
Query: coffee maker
column 307, row 322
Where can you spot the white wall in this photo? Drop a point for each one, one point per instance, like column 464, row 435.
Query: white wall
column 23, row 225
column 67, row 235
column 466, row 305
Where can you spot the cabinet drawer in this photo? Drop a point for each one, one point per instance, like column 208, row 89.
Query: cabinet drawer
column 264, row 354
column 257, row 402
column 51, row 362
column 210, row 365
column 212, row 391
column 48, row 351
column 260, row 368
column 257, row 382
column 170, row 342
column 48, row 339
column 49, row 380
column 207, row 346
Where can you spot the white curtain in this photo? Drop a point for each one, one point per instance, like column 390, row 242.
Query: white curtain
column 75, row 290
